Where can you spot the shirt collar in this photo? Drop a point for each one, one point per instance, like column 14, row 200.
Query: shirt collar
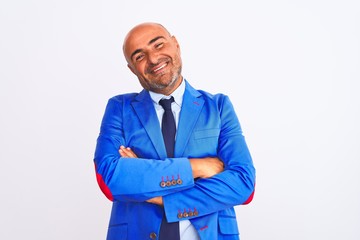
column 177, row 94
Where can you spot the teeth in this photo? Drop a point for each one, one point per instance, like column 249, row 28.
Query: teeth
column 159, row 68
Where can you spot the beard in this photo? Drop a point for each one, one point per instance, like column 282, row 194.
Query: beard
column 163, row 81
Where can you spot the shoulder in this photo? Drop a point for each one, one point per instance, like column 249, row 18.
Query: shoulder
column 129, row 98
column 219, row 100
column 213, row 96
column 121, row 101
column 124, row 97
column 217, row 97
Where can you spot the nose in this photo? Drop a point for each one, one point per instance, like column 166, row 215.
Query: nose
column 153, row 58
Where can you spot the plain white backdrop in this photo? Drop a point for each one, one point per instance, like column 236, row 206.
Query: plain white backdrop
column 291, row 69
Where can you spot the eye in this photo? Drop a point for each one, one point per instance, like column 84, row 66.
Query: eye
column 139, row 57
column 159, row 45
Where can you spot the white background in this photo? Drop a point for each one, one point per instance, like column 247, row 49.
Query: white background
column 291, row 69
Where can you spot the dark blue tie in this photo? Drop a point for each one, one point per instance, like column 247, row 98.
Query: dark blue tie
column 168, row 231
column 168, row 126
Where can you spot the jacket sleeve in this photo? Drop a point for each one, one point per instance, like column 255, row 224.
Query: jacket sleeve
column 234, row 186
column 133, row 179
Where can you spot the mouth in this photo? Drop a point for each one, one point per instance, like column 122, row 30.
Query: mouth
column 159, row 68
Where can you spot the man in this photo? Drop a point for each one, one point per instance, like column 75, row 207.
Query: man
column 185, row 185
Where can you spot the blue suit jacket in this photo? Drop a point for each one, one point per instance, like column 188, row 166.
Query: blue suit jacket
column 208, row 126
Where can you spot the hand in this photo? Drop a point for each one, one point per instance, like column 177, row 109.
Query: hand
column 127, row 152
column 206, row 167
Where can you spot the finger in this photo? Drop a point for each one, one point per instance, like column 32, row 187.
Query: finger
column 124, row 152
column 131, row 153
column 127, row 152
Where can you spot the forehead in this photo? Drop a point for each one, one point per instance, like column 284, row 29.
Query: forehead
column 141, row 36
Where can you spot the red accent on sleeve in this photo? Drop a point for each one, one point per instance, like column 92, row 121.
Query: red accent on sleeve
column 104, row 188
column 250, row 198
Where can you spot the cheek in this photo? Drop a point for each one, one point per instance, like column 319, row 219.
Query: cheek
column 139, row 69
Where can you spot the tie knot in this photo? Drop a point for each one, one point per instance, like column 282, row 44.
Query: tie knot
column 166, row 103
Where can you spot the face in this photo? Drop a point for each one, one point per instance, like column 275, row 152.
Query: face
column 153, row 55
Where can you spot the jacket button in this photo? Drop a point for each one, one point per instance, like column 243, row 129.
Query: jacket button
column 163, row 184
column 168, row 183
column 179, row 181
column 153, row 235
column 180, row 215
column 173, row 182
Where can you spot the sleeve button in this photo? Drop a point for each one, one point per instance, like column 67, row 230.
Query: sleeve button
column 153, row 235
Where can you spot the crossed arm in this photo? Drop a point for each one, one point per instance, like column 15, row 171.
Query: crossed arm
column 218, row 186
column 201, row 168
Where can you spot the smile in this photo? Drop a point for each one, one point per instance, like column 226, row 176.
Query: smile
column 159, row 68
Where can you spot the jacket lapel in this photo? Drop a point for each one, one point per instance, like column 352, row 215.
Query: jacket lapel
column 144, row 109
column 191, row 107
column 190, row 111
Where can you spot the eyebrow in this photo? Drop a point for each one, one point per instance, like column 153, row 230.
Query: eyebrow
column 149, row 43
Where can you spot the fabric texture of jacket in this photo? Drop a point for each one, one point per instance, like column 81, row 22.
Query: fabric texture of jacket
column 208, row 127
